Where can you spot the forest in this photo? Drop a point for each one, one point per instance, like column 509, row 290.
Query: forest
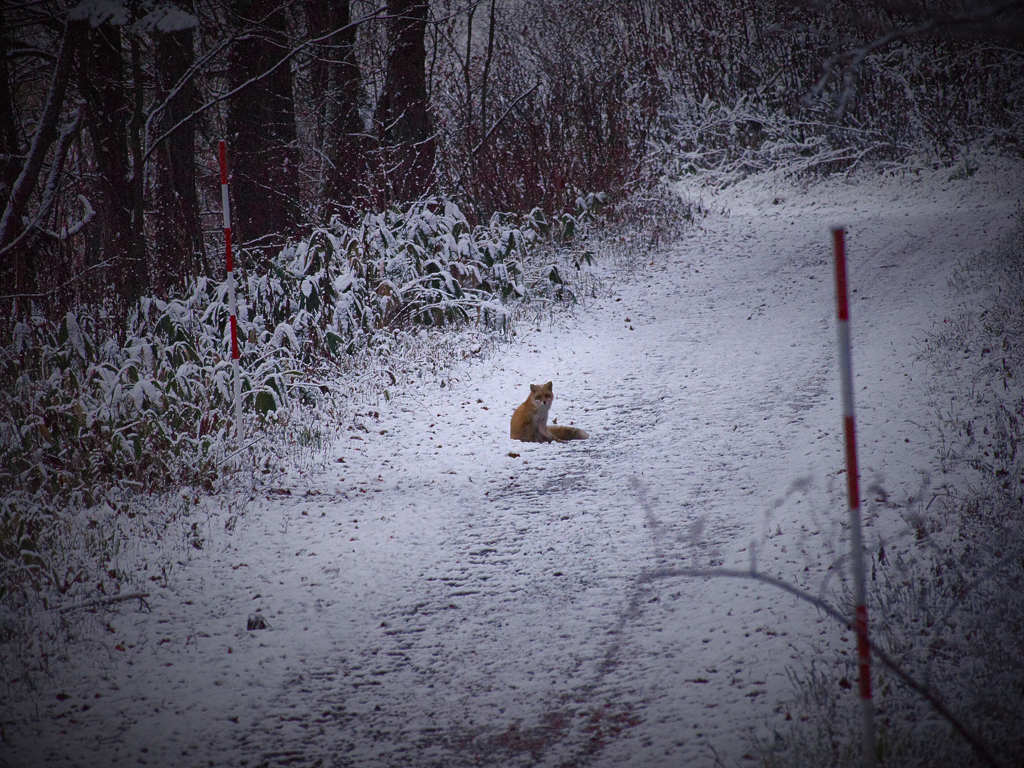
column 112, row 112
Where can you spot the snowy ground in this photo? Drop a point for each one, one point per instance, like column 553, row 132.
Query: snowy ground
column 442, row 596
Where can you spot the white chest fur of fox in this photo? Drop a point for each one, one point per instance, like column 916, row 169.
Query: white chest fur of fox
column 530, row 420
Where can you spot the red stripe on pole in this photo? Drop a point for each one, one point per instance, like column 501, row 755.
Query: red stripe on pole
column 863, row 651
column 222, row 157
column 234, row 338
column 839, row 245
column 856, row 533
column 852, row 483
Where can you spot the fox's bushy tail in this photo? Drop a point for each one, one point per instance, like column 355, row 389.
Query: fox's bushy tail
column 567, row 433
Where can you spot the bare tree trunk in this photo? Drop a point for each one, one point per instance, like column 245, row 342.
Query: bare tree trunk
column 467, row 75
column 261, row 120
column 13, row 231
column 337, row 76
column 485, row 76
column 180, row 251
column 9, row 148
column 137, row 244
column 403, row 117
column 109, row 113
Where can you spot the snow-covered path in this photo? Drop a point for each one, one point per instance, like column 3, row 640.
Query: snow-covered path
column 441, row 595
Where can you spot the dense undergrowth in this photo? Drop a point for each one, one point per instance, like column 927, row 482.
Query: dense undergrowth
column 92, row 411
column 950, row 611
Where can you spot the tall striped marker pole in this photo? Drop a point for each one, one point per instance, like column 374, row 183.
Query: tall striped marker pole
column 852, row 484
column 225, row 202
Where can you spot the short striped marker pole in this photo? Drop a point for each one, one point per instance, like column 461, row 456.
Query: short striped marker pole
column 852, row 484
column 225, row 202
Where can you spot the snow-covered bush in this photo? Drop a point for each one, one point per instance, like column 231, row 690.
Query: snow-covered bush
column 331, row 292
column 725, row 142
column 907, row 100
column 87, row 408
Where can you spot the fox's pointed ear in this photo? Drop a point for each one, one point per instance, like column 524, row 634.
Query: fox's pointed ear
column 548, row 387
column 534, row 388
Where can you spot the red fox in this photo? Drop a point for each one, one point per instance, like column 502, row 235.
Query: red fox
column 530, row 421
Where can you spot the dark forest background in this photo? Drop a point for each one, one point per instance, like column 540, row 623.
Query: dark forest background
column 111, row 113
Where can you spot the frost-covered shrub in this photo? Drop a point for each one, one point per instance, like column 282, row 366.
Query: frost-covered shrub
column 911, row 98
column 86, row 407
column 84, row 410
column 327, row 294
column 725, row 142
column 425, row 265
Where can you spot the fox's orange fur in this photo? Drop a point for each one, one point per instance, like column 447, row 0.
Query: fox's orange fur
column 530, row 421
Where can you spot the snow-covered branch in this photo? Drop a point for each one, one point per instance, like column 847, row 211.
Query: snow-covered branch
column 45, row 135
column 505, row 114
column 71, row 229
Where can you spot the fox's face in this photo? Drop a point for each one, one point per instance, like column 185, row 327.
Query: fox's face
column 542, row 395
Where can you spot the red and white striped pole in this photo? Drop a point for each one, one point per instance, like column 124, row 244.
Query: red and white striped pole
column 232, row 300
column 852, row 484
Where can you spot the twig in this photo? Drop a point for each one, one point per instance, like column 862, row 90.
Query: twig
column 244, row 448
column 141, row 596
column 44, row 294
column 501, row 119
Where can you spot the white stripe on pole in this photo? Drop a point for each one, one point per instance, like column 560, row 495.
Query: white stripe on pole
column 225, row 202
column 232, row 300
column 860, row 620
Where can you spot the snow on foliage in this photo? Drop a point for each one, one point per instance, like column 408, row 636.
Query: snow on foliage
column 84, row 409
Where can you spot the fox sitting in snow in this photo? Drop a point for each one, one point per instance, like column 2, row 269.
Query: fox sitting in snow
column 530, row 421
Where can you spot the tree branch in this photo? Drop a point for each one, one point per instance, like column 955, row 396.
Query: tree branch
column 70, row 229
column 980, row 748
column 43, row 294
column 856, row 57
column 44, row 137
column 151, row 147
column 505, row 114
column 141, row 596
column 49, row 193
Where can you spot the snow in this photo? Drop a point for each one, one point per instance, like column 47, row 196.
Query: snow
column 159, row 16
column 438, row 594
column 99, row 12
